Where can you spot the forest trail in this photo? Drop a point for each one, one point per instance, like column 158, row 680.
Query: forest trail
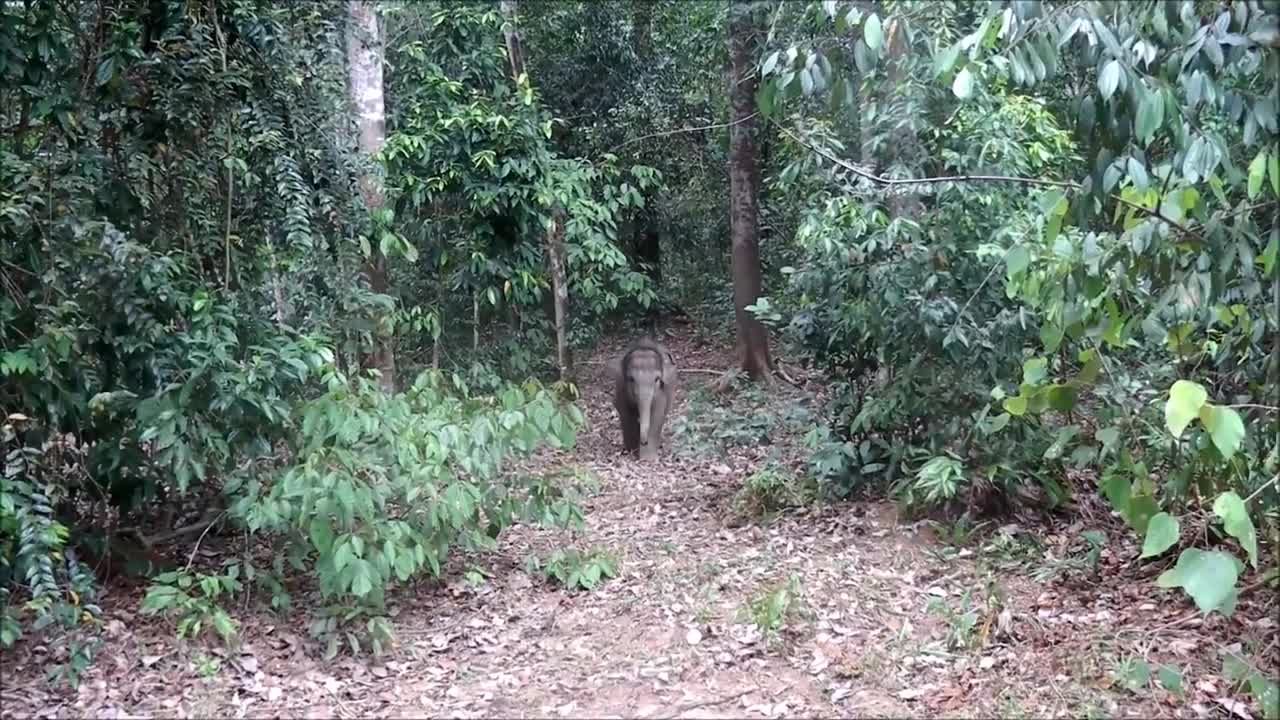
column 671, row 636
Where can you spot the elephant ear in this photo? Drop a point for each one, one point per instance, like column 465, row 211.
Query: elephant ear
column 670, row 373
column 614, row 368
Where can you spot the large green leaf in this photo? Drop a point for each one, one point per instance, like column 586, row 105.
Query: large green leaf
column 1273, row 169
column 945, row 60
column 1237, row 523
column 1034, row 370
column 1162, row 533
column 1150, row 113
column 1142, row 507
column 1257, row 173
column 1185, row 400
column 872, row 32
column 1209, row 577
column 1109, row 79
column 1225, row 427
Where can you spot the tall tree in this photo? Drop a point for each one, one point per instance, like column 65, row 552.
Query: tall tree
column 744, row 190
column 364, row 59
column 646, row 245
column 555, row 230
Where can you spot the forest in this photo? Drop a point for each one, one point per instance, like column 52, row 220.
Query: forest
column 640, row 358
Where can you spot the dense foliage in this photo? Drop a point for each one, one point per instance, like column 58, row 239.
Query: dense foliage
column 1045, row 275
column 184, row 313
column 1032, row 246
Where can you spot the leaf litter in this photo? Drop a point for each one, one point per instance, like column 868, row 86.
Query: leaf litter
column 889, row 621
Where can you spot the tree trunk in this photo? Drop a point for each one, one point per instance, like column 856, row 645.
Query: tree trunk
column 364, row 56
column 560, row 286
column 511, row 32
column 744, row 193
column 556, row 258
column 645, row 239
column 903, row 202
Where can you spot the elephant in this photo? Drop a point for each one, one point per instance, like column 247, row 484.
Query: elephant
column 644, row 389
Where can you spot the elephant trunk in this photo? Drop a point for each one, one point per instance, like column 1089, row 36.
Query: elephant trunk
column 644, row 403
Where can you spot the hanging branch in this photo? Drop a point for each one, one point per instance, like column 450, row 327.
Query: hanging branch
column 900, row 182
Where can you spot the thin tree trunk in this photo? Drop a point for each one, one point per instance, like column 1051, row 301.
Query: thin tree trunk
column 744, row 193
column 475, row 323
column 555, row 234
column 511, row 33
column 560, row 285
column 364, row 56
column 646, row 240
column 905, row 202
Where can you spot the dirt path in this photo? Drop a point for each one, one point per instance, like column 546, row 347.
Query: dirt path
column 883, row 620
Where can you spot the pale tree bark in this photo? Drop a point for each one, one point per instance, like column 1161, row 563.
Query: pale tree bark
column 904, row 202
column 556, row 258
column 511, row 33
column 744, row 193
column 364, row 59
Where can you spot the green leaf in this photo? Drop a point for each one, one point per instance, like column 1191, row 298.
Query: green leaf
column 1015, row 405
column 1267, row 693
column 1034, row 370
column 106, row 70
column 1237, row 523
column 945, row 60
column 1209, row 577
column 1108, row 436
column 1150, row 113
column 1273, row 169
column 1017, row 259
column 1136, row 675
column 765, row 96
column 1062, row 396
column 872, row 32
column 1141, row 509
column 1225, row 427
column 1170, row 678
column 1051, row 337
column 361, row 578
column 1162, row 533
column 770, row 63
column 1185, row 400
column 1109, row 79
column 1257, row 173
column 962, row 86
column 321, row 535
column 1118, row 491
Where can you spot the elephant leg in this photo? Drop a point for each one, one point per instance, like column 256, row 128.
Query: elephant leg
column 657, row 417
column 630, row 427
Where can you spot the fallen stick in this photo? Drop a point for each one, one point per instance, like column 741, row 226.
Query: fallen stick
column 681, row 709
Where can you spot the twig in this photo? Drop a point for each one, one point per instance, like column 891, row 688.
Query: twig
column 981, row 285
column 715, row 126
column 681, row 709
column 1266, row 578
column 1254, row 406
column 1274, row 480
column 782, row 373
column 192, row 557
column 700, row 370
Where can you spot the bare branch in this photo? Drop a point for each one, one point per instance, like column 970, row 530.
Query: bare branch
column 665, row 133
column 900, row 182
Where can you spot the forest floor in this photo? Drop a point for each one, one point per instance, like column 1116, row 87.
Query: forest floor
column 873, row 617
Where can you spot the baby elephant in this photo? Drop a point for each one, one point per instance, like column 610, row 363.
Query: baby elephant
column 644, row 388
